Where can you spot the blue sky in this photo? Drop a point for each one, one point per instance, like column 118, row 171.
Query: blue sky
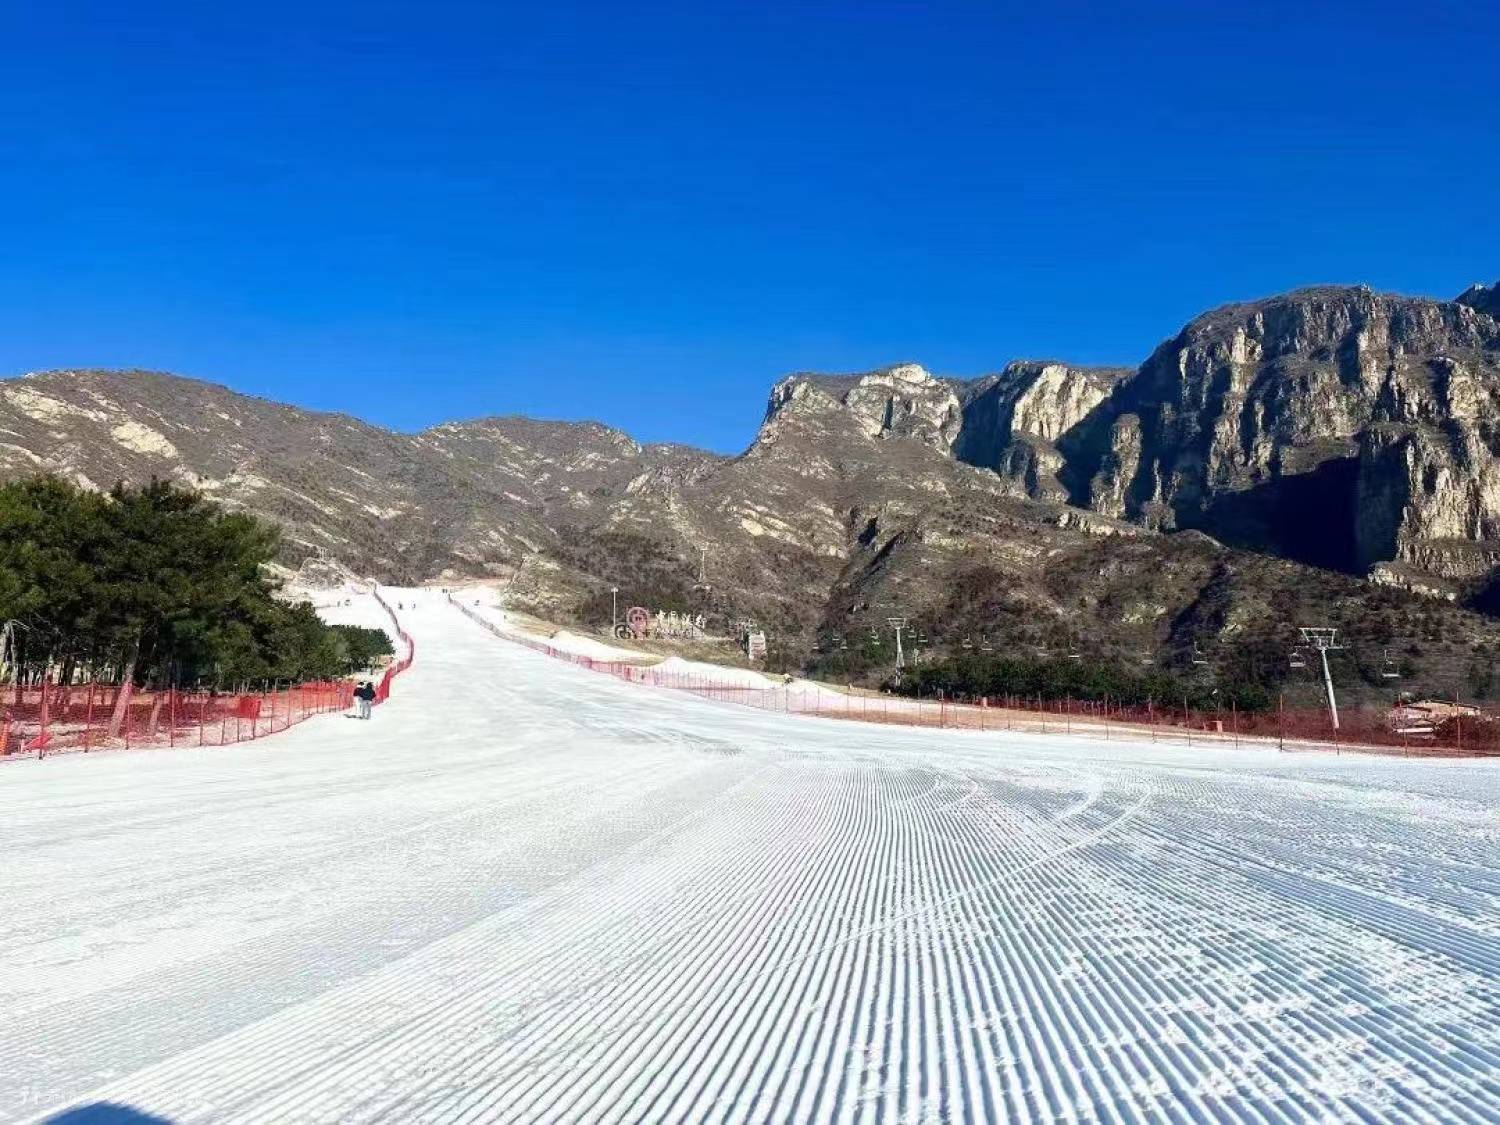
column 645, row 213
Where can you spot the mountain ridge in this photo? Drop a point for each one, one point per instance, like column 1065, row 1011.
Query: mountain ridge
column 1050, row 499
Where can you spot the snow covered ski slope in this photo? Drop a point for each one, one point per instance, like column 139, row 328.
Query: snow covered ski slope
column 525, row 892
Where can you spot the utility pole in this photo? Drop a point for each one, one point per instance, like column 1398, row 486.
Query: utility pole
column 1324, row 639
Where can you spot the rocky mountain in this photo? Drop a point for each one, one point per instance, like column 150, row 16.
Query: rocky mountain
column 1340, row 427
column 1256, row 471
column 1485, row 298
column 466, row 499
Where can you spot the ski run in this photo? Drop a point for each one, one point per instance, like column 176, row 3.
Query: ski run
column 527, row 892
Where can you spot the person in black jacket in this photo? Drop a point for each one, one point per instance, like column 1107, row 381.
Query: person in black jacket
column 365, row 694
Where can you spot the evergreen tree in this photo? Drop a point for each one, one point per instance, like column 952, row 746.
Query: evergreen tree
column 153, row 585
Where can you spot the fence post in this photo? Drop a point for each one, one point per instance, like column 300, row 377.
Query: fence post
column 1187, row 720
column 1234, row 722
column 1281, row 722
column 88, row 719
column 41, row 738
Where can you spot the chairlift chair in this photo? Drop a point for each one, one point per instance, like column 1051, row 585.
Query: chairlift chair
column 1198, row 655
column 1296, row 660
column 1388, row 669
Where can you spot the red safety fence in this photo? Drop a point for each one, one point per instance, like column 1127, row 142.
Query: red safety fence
column 43, row 719
column 383, row 690
column 1448, row 731
column 54, row 718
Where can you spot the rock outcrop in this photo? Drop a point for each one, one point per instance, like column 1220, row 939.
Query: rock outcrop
column 901, row 401
column 1341, row 427
column 1013, row 422
column 1485, row 298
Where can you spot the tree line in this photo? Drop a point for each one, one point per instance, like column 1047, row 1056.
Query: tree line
column 982, row 675
column 154, row 585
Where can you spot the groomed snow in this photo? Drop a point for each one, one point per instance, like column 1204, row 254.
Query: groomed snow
column 529, row 892
column 563, row 640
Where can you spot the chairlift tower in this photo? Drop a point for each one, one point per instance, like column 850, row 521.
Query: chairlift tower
column 1325, row 640
column 898, row 623
column 703, row 585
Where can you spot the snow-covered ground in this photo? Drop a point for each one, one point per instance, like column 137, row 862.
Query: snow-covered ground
column 529, row 892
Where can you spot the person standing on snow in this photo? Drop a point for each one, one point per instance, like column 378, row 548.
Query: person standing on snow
column 365, row 694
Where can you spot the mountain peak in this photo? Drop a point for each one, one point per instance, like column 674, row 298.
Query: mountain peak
column 1485, row 298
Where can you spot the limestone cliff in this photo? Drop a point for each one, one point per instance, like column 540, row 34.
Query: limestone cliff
column 1336, row 426
column 1014, row 420
column 1485, row 298
column 903, row 401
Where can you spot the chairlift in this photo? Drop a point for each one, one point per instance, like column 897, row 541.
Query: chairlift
column 985, row 645
column 843, row 644
column 1198, row 655
column 1297, row 660
column 968, row 642
column 1388, row 669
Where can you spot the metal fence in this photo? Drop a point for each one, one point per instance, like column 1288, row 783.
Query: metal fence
column 1463, row 731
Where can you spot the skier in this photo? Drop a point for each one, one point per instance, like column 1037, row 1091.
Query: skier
column 365, row 693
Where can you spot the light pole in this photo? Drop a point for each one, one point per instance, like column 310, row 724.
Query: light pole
column 1324, row 639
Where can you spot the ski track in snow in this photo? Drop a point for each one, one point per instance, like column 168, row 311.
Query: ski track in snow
column 527, row 892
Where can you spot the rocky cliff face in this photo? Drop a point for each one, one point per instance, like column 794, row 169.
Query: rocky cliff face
column 1340, row 427
column 900, row 401
column 1013, row 422
column 1485, row 298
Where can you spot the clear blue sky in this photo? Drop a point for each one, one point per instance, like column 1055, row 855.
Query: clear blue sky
column 645, row 213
